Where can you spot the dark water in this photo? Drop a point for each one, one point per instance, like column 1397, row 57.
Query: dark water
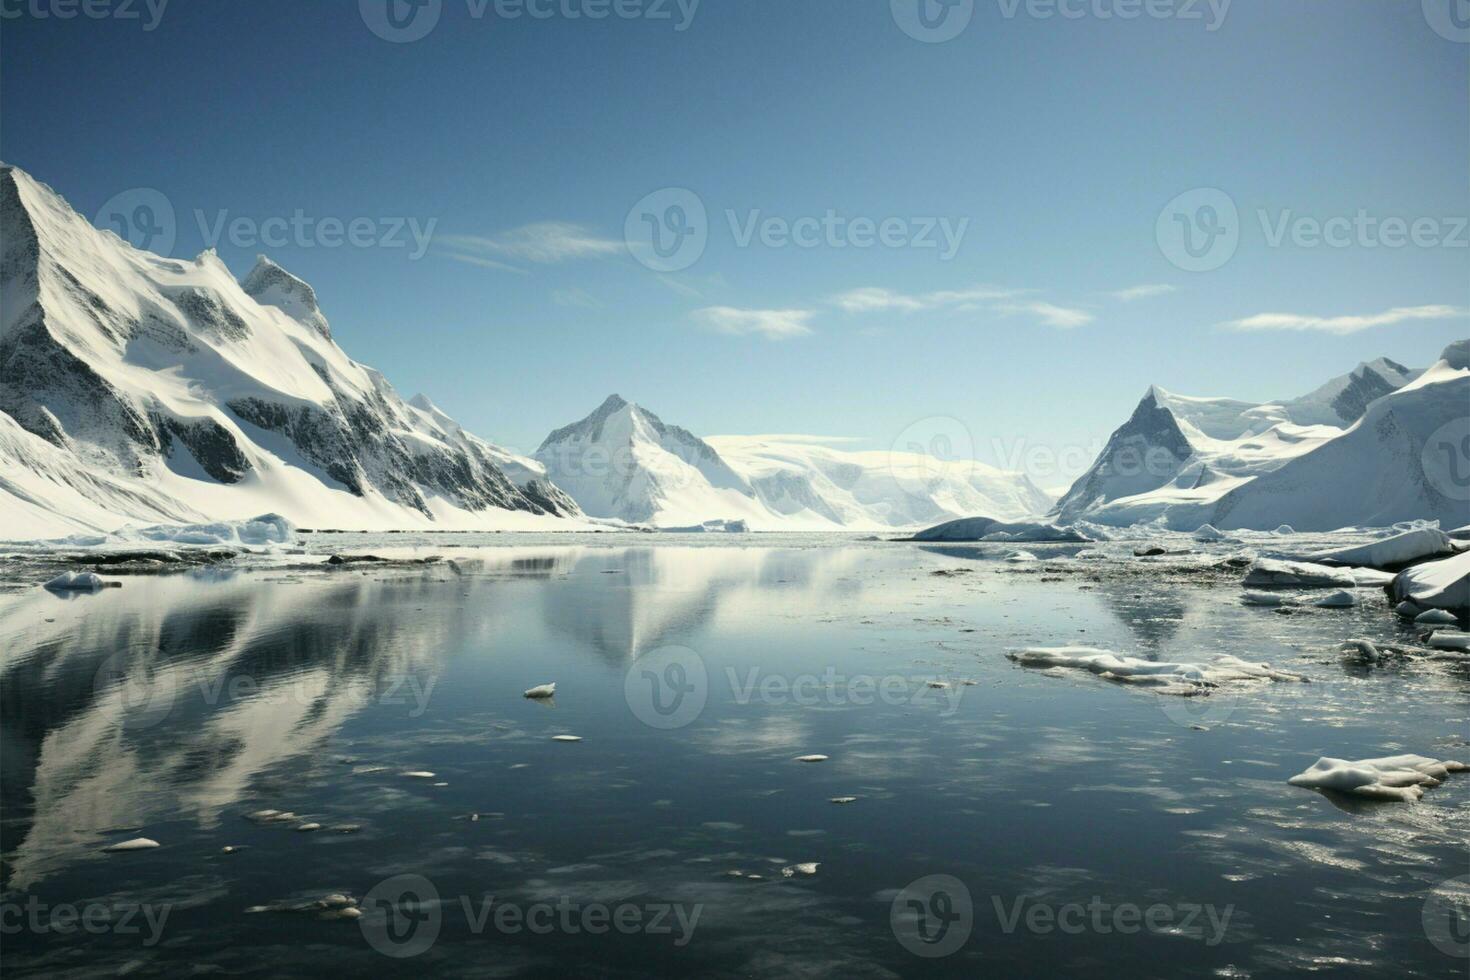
column 1081, row 828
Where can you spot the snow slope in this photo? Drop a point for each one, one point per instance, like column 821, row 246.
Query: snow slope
column 139, row 388
column 1346, row 454
column 623, row 462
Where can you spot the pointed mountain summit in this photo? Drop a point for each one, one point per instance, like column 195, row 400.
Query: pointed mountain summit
column 138, row 387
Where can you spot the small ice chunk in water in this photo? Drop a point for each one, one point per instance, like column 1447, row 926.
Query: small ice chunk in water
column 566, row 738
column 1208, row 532
column 1436, row 617
column 1171, row 678
column 806, row 868
column 1341, row 599
column 136, row 844
column 843, row 800
column 541, row 692
column 1364, row 649
column 1407, row 609
column 811, row 758
column 1285, row 529
column 76, row 582
column 1448, row 640
column 418, row 774
column 1254, row 598
column 308, row 827
column 1271, row 573
column 1395, row 777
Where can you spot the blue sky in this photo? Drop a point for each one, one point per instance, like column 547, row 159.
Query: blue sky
column 1053, row 142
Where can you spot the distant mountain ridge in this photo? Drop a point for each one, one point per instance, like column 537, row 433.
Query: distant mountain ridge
column 1349, row 453
column 624, row 462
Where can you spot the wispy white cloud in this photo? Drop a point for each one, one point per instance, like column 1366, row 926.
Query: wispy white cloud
column 577, row 297
column 872, row 299
column 1144, row 291
column 544, row 242
column 1351, row 323
column 1062, row 317
column 771, row 324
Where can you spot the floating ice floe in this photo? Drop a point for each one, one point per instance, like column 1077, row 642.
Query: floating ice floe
column 807, row 868
column 989, row 529
column 1341, row 599
column 1395, row 777
column 1271, row 573
column 76, row 582
column 1209, row 532
column 1163, row 676
column 541, row 692
column 1407, row 610
column 811, row 758
column 136, row 844
column 1449, row 640
column 1401, row 549
column 1019, row 556
column 308, row 827
column 1436, row 617
column 566, row 738
column 1443, row 584
column 844, row 800
column 1254, row 598
column 1284, row 529
column 418, row 774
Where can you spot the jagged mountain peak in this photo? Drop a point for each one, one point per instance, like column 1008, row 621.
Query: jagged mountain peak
column 270, row 285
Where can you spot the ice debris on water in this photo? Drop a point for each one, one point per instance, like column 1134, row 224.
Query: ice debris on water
column 541, row 692
column 76, row 582
column 1341, row 599
column 1396, row 777
column 1165, row 677
column 811, row 758
column 136, row 844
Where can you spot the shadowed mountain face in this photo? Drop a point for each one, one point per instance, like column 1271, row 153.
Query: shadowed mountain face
column 207, row 397
column 1143, row 454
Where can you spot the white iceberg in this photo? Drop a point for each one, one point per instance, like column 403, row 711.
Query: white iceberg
column 1399, row 550
column 76, row 582
column 1271, row 573
column 1443, row 584
column 1395, row 777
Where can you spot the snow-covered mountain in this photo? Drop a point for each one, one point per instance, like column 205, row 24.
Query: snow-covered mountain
column 624, row 462
column 1346, row 454
column 135, row 387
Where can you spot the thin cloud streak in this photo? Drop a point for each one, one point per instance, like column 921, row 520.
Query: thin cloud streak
column 1352, row 323
column 770, row 324
column 544, row 243
column 1145, row 291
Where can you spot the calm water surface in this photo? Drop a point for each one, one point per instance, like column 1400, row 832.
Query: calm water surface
column 1059, row 809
